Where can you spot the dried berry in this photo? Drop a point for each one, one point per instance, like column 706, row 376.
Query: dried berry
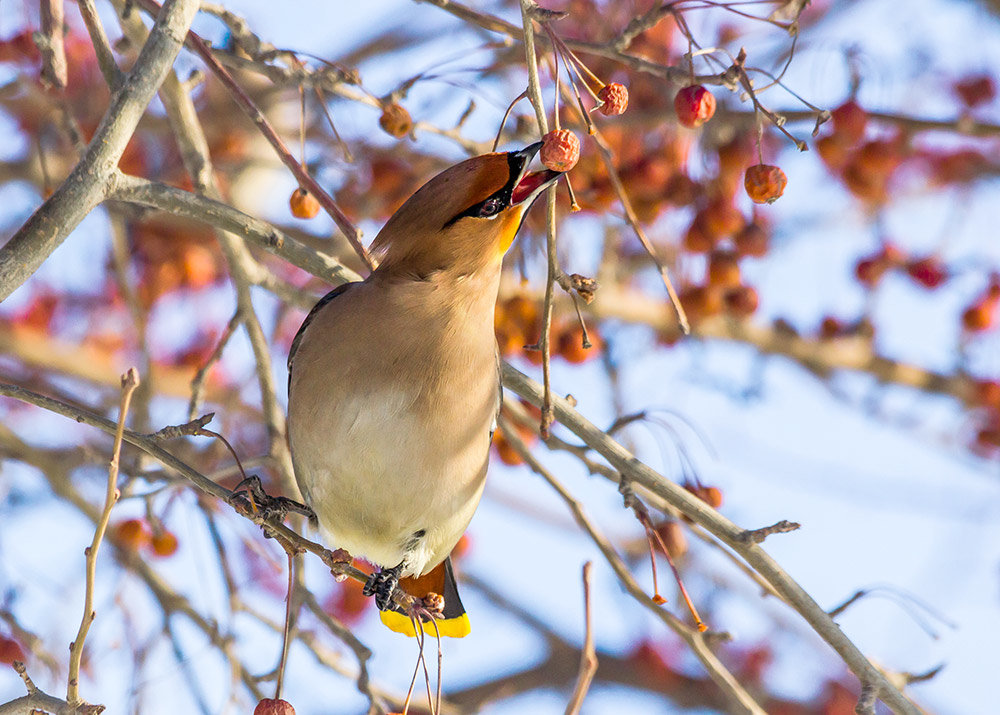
column 615, row 98
column 765, row 183
column 273, row 706
column 303, row 204
column 395, row 120
column 560, row 150
column 694, row 105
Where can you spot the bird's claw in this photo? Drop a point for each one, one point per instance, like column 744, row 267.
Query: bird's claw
column 381, row 585
column 250, row 494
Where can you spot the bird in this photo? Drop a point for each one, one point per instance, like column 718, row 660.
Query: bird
column 394, row 384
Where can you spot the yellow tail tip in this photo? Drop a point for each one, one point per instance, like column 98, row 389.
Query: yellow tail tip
column 451, row 627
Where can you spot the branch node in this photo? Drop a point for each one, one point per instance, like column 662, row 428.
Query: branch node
column 757, row 536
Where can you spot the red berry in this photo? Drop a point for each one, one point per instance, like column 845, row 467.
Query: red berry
column 303, row 204
column 765, row 183
column 849, row 121
column 164, row 543
column 10, row 650
column 830, row 328
column 742, row 301
column 723, row 270
column 560, row 150
column 751, row 240
column 979, row 316
column 976, row 90
column 986, row 393
column 132, row 534
column 928, row 272
column 834, row 151
column 273, row 706
column 674, row 538
column 694, row 105
column 615, row 98
column 395, row 120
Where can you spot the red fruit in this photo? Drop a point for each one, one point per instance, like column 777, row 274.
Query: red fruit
column 976, row 90
column 765, row 183
column 721, row 218
column 928, row 272
column 834, row 151
column 462, row 547
column 674, row 538
column 957, row 167
column 10, row 650
column 986, row 393
column 830, row 328
column 132, row 534
column 701, row 302
column 615, row 98
column 303, row 204
column 710, row 495
column 723, row 270
column 694, row 105
column 395, row 120
column 988, row 438
column 505, row 450
column 742, row 301
column 273, row 706
column 869, row 271
column 164, row 544
column 979, row 316
column 560, row 150
column 880, row 156
column 569, row 344
column 751, row 240
column 697, row 239
column 849, row 121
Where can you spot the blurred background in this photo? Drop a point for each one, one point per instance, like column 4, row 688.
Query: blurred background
column 843, row 370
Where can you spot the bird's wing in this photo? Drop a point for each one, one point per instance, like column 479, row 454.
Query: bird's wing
column 339, row 290
column 496, row 416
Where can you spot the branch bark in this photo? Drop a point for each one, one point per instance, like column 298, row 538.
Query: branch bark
column 87, row 184
column 723, row 529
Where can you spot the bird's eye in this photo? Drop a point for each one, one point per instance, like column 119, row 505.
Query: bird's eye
column 491, row 207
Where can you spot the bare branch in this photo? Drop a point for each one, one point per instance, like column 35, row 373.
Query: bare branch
column 86, row 185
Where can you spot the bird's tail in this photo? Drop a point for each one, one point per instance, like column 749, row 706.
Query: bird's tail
column 440, row 580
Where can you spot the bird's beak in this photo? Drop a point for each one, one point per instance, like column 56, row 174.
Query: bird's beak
column 527, row 187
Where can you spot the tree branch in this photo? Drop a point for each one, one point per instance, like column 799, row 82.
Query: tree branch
column 722, row 528
column 86, row 185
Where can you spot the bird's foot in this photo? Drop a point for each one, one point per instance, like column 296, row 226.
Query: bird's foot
column 249, row 496
column 381, row 585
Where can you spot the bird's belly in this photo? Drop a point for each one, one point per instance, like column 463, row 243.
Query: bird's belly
column 390, row 483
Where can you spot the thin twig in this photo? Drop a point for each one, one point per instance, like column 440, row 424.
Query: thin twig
column 102, row 48
column 253, row 112
column 588, row 657
column 87, row 184
column 723, row 529
column 694, row 639
column 130, row 381
column 535, row 97
column 50, row 43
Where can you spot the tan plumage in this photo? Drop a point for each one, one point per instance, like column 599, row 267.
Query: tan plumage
column 394, row 387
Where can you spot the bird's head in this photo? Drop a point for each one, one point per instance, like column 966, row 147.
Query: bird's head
column 464, row 219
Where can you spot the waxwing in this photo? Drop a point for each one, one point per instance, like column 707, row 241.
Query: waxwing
column 394, row 384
